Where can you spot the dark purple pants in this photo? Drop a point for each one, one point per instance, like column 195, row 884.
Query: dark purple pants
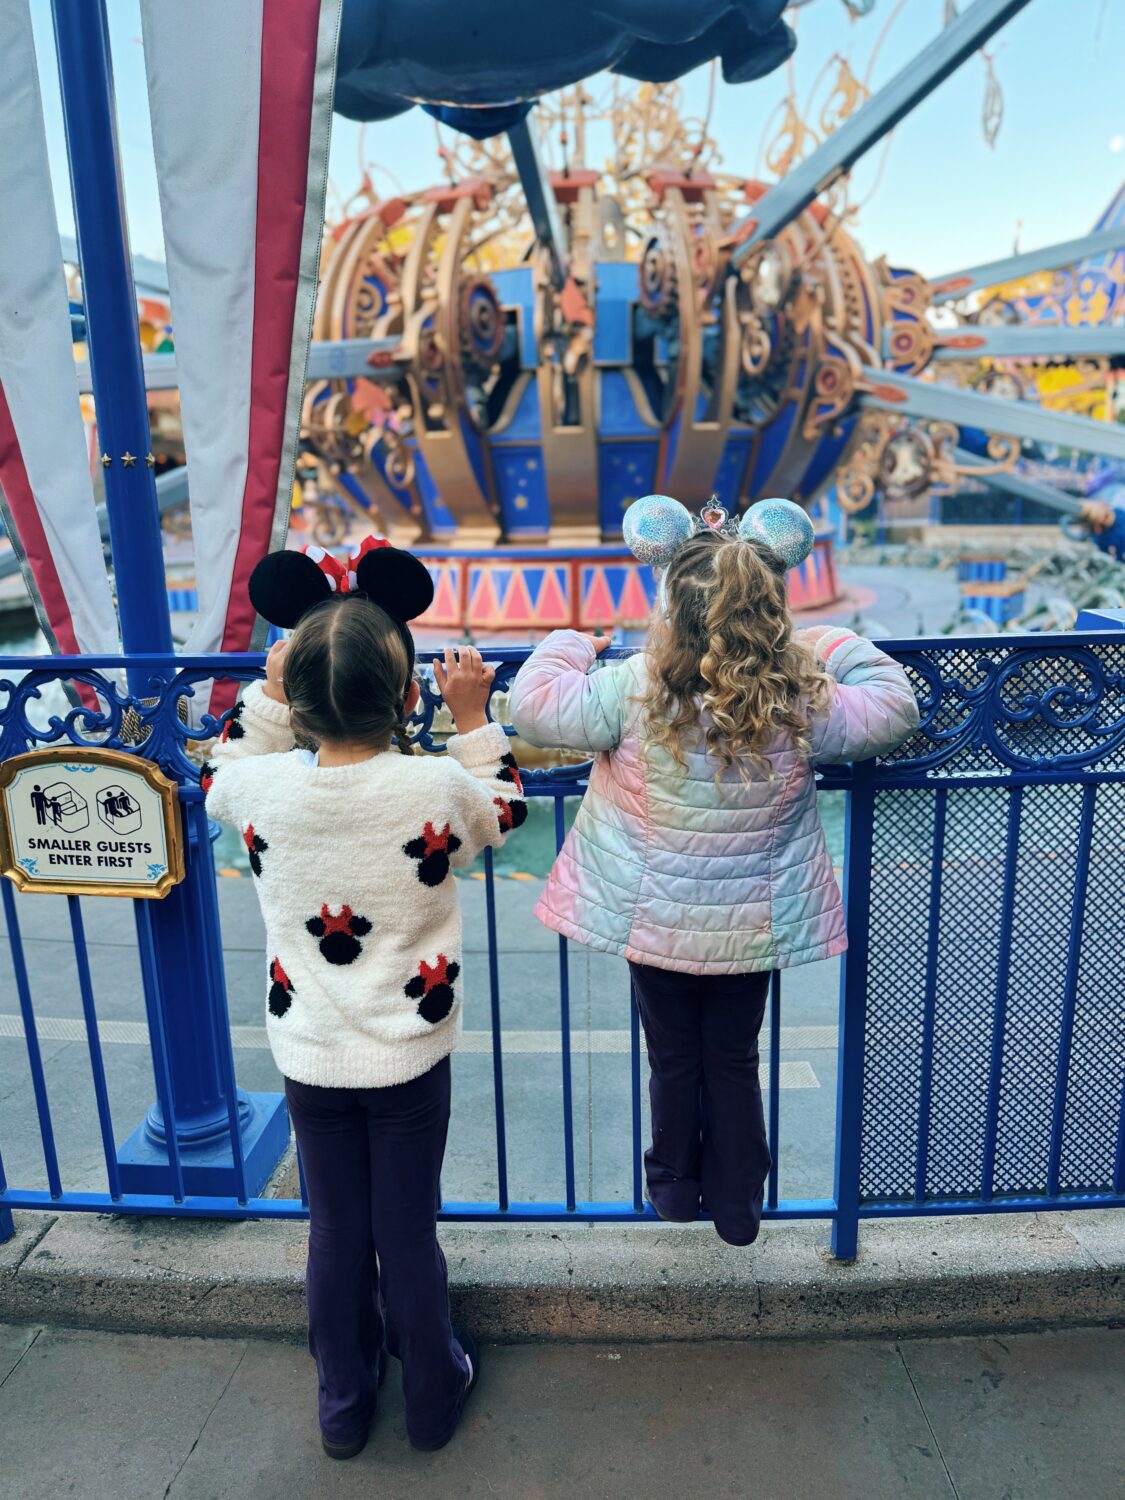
column 709, row 1144
column 372, row 1162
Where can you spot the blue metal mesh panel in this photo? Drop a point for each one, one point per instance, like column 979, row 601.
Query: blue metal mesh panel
column 1044, row 900
column 951, row 1113
column 900, row 896
column 968, row 961
column 1096, row 1078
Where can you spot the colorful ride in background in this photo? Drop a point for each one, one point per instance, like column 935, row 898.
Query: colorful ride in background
column 505, row 360
column 523, row 392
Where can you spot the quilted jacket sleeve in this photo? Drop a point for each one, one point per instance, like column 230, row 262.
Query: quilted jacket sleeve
column 257, row 726
column 873, row 706
column 557, row 704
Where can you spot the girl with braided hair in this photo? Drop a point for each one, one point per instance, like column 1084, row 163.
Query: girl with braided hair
column 352, row 841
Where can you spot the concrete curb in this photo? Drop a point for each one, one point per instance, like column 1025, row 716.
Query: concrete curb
column 577, row 1282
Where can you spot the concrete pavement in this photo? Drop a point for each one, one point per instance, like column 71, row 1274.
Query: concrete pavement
column 130, row 1417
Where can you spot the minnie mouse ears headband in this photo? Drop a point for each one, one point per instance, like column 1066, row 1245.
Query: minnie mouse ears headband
column 656, row 527
column 285, row 585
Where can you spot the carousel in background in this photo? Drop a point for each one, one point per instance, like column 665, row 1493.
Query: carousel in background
column 521, row 399
column 589, row 306
column 554, row 339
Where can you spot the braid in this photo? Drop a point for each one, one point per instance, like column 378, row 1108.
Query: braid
column 402, row 737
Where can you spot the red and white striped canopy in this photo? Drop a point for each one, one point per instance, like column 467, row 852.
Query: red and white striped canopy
column 46, row 496
column 241, row 102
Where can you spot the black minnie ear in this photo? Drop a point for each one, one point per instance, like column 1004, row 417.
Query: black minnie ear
column 396, row 581
column 285, row 585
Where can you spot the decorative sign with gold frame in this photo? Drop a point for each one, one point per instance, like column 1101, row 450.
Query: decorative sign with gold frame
column 80, row 822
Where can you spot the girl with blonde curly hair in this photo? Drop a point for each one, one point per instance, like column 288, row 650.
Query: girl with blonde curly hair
column 697, row 853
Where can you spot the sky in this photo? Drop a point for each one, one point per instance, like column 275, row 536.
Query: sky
column 943, row 198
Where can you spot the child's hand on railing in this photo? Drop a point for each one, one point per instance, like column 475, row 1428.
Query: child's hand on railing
column 600, row 643
column 465, row 683
column 274, row 685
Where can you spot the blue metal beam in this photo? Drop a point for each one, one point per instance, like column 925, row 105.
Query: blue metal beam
column 910, row 397
column 1023, row 341
column 171, row 491
column 540, row 196
column 150, row 275
column 1026, row 489
column 1049, row 258
column 331, row 359
column 872, row 121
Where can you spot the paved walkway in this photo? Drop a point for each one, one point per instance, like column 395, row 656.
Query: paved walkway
column 1024, row 1417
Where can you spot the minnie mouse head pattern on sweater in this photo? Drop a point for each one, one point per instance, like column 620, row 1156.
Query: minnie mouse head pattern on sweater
column 432, row 986
column 511, row 814
column 432, row 852
column 339, row 935
column 281, row 989
column 256, row 846
column 232, row 729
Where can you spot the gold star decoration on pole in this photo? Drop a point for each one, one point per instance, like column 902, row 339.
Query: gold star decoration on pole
column 150, row 461
column 106, row 460
column 128, row 459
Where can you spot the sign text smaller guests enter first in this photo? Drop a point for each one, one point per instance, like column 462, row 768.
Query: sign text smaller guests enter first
column 89, row 822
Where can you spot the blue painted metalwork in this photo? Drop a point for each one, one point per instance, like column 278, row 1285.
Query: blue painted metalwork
column 981, row 1047
column 93, row 1042
column 1000, row 1007
column 113, row 336
column 911, row 397
column 774, row 1088
column 329, row 359
column 635, row 1098
column 937, row 866
column 497, row 1050
column 1023, row 341
column 564, row 1028
column 955, row 284
column 850, row 1046
column 541, row 202
column 31, row 1036
column 1070, row 994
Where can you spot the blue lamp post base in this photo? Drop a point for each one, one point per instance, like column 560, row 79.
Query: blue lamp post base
column 208, row 1163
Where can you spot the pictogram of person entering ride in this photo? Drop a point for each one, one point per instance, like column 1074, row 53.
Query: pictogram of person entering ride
column 41, row 803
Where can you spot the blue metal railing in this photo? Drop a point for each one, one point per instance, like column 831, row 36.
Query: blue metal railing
column 981, row 1039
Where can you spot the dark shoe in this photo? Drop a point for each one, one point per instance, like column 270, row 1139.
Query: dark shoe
column 673, row 1218
column 352, row 1446
column 472, row 1354
column 343, row 1450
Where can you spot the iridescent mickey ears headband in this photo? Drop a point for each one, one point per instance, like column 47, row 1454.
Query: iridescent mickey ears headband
column 656, row 527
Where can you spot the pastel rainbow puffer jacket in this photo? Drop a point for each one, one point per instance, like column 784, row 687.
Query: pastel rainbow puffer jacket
column 666, row 868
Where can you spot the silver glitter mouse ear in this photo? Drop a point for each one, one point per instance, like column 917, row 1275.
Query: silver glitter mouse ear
column 781, row 526
column 655, row 528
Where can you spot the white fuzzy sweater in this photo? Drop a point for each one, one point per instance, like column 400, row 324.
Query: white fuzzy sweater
column 352, row 869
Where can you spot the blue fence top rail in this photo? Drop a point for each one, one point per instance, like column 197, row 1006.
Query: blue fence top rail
column 1022, row 705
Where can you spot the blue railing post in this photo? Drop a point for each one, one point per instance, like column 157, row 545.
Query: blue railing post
column 858, row 838
column 184, row 928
